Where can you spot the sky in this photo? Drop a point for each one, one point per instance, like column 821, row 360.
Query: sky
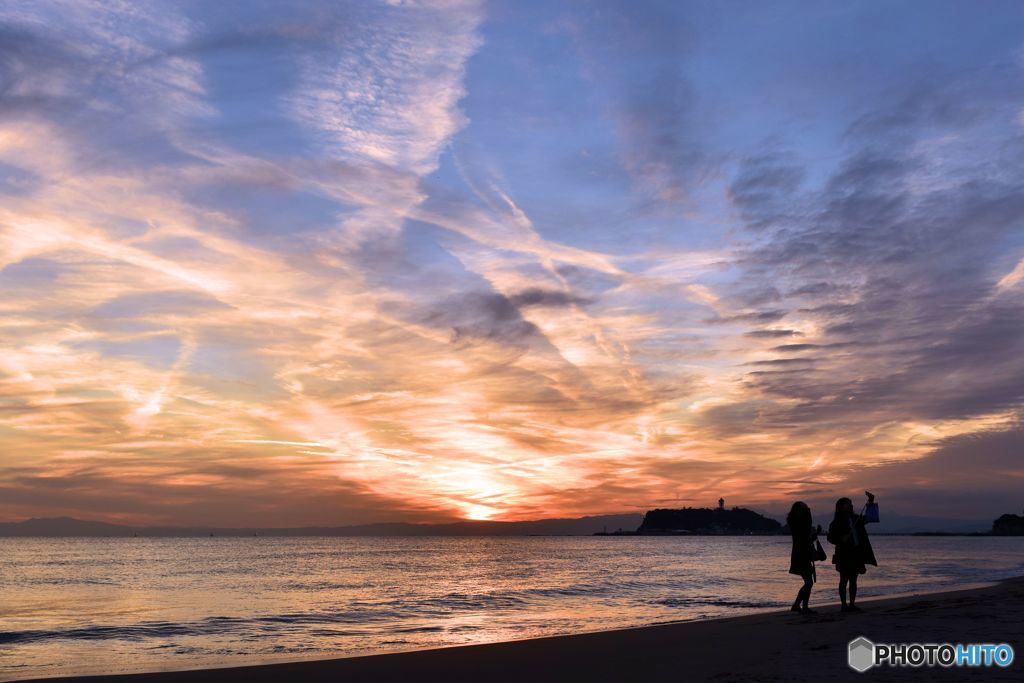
column 295, row 263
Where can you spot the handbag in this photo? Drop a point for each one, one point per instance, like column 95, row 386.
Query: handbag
column 819, row 553
column 871, row 513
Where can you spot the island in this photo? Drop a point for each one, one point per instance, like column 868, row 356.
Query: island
column 1008, row 525
column 718, row 521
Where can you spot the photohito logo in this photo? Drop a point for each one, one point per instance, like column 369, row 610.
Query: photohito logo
column 863, row 654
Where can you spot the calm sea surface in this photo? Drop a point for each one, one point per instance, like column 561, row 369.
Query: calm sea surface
column 102, row 605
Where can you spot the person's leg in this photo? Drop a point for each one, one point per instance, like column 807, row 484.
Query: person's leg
column 843, row 579
column 804, row 593
column 806, row 590
column 853, row 589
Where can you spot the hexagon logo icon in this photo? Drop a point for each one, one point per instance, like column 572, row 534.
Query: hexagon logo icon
column 861, row 655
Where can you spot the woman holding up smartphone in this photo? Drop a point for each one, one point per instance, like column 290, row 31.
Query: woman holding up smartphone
column 849, row 535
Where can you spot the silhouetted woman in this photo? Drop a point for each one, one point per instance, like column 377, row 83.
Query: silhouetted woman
column 853, row 549
column 801, row 558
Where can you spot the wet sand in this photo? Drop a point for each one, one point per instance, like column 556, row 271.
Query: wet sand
column 775, row 646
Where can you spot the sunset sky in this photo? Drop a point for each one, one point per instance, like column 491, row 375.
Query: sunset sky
column 286, row 263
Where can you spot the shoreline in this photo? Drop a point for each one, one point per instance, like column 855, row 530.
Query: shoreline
column 761, row 646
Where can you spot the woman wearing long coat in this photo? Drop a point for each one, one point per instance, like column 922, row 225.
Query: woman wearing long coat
column 848, row 533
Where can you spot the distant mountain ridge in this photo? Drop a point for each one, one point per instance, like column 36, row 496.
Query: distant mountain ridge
column 71, row 527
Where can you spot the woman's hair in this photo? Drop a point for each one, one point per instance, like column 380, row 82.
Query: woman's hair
column 799, row 515
column 841, row 507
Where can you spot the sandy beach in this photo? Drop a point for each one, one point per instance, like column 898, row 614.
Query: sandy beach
column 774, row 646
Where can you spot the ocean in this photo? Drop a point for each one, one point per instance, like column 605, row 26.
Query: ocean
column 87, row 605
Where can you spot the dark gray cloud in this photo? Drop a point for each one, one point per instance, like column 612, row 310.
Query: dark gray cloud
column 536, row 296
column 814, row 289
column 794, row 348
column 489, row 316
column 798, row 348
column 900, row 251
column 769, row 316
column 781, row 361
column 496, row 317
column 765, row 188
column 772, row 334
